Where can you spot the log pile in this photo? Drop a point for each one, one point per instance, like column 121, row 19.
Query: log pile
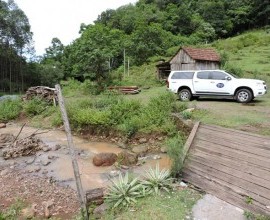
column 46, row 93
column 125, row 89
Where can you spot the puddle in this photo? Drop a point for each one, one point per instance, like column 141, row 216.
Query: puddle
column 60, row 168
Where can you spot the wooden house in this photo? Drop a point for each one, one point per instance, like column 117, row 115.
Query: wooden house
column 188, row 58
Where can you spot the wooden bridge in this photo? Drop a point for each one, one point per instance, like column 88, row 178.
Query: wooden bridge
column 230, row 164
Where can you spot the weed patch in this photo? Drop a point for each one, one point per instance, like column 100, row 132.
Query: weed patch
column 10, row 109
column 174, row 149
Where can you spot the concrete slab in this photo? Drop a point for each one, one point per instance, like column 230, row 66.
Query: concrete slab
column 212, row 208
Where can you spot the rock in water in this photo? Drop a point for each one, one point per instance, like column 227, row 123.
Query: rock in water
column 127, row 159
column 104, row 159
column 2, row 125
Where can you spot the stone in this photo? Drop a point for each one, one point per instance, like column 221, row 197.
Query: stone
column 183, row 184
column 151, row 141
column 114, row 173
column 142, row 140
column 127, row 159
column 163, row 149
column 56, row 147
column 47, row 205
column 30, row 161
column 160, row 138
column 30, row 212
column 2, row 125
column 34, row 169
column 100, row 210
column 156, row 157
column 51, row 157
column 46, row 149
column 124, row 167
column 4, row 172
column 95, row 196
column 104, row 159
column 122, row 145
column 45, row 162
column 140, row 149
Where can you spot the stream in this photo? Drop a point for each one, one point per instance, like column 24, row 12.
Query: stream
column 57, row 163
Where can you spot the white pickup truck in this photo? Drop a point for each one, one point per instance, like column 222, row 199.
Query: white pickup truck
column 189, row 84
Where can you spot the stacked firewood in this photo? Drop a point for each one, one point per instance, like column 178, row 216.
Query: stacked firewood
column 46, row 93
column 126, row 89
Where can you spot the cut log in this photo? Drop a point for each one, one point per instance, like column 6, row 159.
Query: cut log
column 94, row 196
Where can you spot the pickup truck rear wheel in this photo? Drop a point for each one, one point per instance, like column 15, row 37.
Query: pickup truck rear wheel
column 243, row 96
column 185, row 95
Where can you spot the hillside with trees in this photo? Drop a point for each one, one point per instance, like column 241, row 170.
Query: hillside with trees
column 139, row 33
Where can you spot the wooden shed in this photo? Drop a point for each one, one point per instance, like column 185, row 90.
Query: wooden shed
column 188, row 58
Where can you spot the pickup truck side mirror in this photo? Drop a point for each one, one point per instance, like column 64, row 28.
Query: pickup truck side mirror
column 228, row 78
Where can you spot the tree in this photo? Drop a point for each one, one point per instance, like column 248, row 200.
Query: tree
column 55, row 51
column 94, row 53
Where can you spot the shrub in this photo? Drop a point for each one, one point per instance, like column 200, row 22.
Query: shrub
column 10, row 109
column 156, row 181
column 156, row 115
column 174, row 147
column 35, row 106
column 124, row 192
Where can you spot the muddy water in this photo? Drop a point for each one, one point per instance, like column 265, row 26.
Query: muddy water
column 60, row 167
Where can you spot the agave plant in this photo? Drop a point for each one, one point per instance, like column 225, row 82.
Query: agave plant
column 124, row 191
column 155, row 180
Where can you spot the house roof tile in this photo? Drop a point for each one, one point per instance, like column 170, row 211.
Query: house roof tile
column 207, row 54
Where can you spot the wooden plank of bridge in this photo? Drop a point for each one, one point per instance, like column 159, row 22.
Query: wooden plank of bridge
column 230, row 164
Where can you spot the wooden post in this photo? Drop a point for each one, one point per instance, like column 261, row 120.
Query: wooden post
column 81, row 194
column 189, row 142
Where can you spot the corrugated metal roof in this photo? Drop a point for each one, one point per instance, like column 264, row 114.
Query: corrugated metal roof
column 207, row 54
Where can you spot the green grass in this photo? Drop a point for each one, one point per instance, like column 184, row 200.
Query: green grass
column 176, row 205
column 250, row 52
column 13, row 212
column 10, row 109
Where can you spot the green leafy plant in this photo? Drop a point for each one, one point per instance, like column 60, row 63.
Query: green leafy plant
column 174, row 149
column 249, row 200
column 35, row 106
column 13, row 211
column 156, row 180
column 10, row 109
column 186, row 114
column 124, row 191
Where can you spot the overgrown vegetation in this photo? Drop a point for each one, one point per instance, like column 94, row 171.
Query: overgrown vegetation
column 10, row 109
column 113, row 111
column 126, row 190
column 156, row 181
column 175, row 146
column 175, row 205
column 252, row 216
column 13, row 212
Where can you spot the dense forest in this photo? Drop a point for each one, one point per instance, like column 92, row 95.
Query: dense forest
column 149, row 28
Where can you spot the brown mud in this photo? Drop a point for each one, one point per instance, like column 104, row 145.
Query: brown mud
column 52, row 165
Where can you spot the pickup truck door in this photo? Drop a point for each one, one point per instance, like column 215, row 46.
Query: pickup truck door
column 201, row 82
column 212, row 82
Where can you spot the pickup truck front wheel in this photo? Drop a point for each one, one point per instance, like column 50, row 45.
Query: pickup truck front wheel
column 243, row 96
column 185, row 95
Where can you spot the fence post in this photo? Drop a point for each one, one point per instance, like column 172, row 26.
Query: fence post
column 80, row 191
